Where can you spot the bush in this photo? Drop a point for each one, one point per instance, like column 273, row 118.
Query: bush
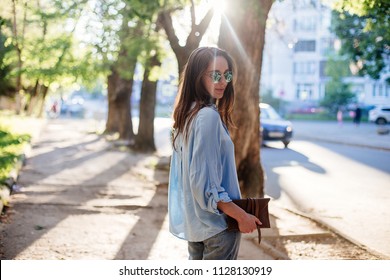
column 11, row 149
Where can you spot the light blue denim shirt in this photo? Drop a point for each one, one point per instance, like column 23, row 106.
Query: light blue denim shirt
column 203, row 172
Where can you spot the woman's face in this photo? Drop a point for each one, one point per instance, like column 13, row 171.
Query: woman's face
column 217, row 77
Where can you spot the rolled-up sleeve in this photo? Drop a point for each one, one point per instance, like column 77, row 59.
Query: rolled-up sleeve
column 205, row 165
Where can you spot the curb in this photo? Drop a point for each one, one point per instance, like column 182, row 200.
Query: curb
column 271, row 250
column 322, row 223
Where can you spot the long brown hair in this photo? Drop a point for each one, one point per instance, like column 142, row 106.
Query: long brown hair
column 192, row 91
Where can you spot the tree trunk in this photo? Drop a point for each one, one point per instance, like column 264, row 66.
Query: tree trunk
column 145, row 138
column 242, row 34
column 119, row 112
column 112, row 124
column 120, row 84
column 123, row 106
column 17, row 41
column 44, row 91
column 33, row 98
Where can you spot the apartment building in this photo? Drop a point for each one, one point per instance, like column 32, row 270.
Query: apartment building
column 298, row 45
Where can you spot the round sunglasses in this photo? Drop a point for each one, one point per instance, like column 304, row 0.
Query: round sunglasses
column 216, row 76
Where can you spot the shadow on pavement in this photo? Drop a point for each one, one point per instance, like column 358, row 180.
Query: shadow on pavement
column 142, row 236
column 68, row 191
column 283, row 158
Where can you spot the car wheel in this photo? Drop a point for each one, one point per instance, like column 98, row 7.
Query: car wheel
column 380, row 121
column 286, row 143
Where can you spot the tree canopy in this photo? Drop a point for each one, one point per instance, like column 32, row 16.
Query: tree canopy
column 338, row 93
column 364, row 30
column 42, row 48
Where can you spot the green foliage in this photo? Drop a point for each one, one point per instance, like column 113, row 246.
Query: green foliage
column 61, row 42
column 323, row 116
column 267, row 97
column 127, row 33
column 364, row 7
column 44, row 37
column 11, row 146
column 364, row 30
column 337, row 93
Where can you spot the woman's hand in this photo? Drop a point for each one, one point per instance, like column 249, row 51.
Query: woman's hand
column 246, row 222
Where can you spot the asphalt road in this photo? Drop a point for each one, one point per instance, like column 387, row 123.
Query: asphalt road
column 344, row 187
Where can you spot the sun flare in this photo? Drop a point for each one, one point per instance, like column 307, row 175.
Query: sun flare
column 219, row 6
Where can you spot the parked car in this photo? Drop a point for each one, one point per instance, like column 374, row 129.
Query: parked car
column 273, row 127
column 73, row 107
column 379, row 115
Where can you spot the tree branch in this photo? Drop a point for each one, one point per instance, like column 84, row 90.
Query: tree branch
column 204, row 24
column 193, row 17
column 198, row 31
column 165, row 20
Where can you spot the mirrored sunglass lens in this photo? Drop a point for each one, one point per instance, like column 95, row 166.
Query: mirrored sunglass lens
column 228, row 76
column 216, row 77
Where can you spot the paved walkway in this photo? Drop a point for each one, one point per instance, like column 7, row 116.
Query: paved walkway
column 83, row 198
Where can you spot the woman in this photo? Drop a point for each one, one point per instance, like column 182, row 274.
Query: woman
column 203, row 179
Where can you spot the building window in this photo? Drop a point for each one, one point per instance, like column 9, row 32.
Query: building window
column 380, row 92
column 304, row 4
column 327, row 46
column 306, row 24
column 304, row 91
column 325, row 20
column 304, row 68
column 305, row 46
column 323, row 68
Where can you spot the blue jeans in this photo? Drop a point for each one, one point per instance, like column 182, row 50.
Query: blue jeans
column 222, row 246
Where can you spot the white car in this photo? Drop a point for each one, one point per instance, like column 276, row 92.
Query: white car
column 380, row 115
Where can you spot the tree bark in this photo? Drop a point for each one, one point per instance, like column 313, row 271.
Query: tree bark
column 120, row 83
column 44, row 91
column 112, row 124
column 242, row 34
column 144, row 140
column 34, row 92
column 123, row 105
column 119, row 113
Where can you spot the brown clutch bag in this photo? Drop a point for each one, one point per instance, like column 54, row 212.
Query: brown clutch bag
column 255, row 206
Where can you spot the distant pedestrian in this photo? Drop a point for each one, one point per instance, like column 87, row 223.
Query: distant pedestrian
column 53, row 113
column 358, row 115
column 340, row 117
column 203, row 179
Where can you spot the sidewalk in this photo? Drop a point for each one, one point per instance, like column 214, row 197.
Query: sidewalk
column 83, row 197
